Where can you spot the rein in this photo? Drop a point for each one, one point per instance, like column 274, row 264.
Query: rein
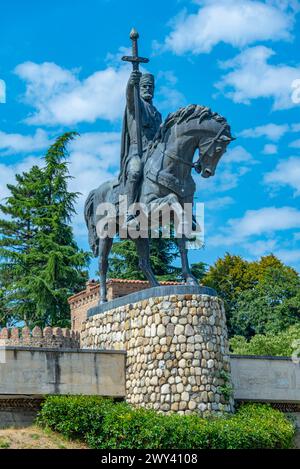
column 174, row 156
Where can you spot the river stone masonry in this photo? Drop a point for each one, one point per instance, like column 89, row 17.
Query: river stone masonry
column 177, row 351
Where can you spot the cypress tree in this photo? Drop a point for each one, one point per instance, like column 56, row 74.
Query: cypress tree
column 41, row 261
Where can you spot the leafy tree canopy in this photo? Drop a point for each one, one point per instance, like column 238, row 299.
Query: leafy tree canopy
column 259, row 296
column 284, row 343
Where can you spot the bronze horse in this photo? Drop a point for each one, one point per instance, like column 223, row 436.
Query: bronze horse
column 167, row 180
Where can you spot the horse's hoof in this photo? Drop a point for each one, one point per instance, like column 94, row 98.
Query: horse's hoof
column 192, row 281
column 154, row 284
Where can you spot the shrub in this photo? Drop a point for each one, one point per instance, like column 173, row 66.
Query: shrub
column 104, row 424
column 280, row 344
column 76, row 416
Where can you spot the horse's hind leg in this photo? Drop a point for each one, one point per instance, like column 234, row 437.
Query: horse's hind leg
column 105, row 245
column 186, row 271
column 143, row 250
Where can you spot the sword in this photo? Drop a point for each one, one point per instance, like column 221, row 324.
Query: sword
column 136, row 60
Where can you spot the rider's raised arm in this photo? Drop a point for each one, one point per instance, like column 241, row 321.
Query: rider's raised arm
column 133, row 79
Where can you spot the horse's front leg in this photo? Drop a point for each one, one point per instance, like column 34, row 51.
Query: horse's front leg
column 186, row 271
column 143, row 250
column 105, row 245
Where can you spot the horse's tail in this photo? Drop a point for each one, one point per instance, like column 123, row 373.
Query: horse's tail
column 89, row 216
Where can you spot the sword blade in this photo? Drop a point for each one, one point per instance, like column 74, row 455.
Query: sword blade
column 135, row 60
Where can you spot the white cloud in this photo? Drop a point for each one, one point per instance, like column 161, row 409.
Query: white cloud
column 295, row 127
column 253, row 77
column 219, row 203
column 234, row 164
column 270, row 131
column 235, row 22
column 237, row 155
column 289, row 256
column 264, row 221
column 168, row 97
column 93, row 159
column 261, row 247
column 103, row 145
column 295, row 144
column 61, row 98
column 270, row 149
column 286, row 173
column 18, row 143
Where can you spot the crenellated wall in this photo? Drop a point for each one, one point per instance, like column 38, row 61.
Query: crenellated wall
column 48, row 337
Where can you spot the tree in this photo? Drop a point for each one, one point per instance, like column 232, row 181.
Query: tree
column 229, row 276
column 124, row 261
column 259, row 296
column 270, row 306
column 37, row 244
column 198, row 269
column 17, row 233
column 282, row 344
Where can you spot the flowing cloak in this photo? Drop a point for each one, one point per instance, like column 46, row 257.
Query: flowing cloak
column 151, row 120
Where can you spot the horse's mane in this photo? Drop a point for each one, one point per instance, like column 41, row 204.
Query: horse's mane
column 188, row 113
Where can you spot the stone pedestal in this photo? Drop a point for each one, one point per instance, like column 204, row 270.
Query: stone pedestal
column 176, row 344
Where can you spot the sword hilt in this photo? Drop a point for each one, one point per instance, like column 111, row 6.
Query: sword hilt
column 134, row 35
column 134, row 59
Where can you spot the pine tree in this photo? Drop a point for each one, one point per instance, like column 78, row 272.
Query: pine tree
column 37, row 246
column 18, row 230
column 124, row 261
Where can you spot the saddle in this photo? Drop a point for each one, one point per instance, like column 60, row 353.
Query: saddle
column 155, row 172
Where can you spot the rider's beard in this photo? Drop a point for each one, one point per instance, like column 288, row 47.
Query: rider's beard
column 147, row 96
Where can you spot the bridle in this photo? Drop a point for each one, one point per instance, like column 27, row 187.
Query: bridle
column 174, row 156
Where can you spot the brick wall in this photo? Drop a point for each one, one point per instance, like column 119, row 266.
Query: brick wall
column 81, row 302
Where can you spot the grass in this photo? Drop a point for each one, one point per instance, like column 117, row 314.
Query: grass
column 34, row 437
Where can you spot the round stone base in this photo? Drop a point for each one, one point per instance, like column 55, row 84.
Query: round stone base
column 177, row 351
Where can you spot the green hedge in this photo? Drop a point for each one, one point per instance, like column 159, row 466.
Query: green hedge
column 103, row 423
column 282, row 344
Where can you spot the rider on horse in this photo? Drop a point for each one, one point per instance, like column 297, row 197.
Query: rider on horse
column 131, row 167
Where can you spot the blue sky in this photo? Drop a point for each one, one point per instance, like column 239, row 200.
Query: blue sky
column 61, row 64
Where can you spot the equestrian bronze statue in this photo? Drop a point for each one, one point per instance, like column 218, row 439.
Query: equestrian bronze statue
column 157, row 161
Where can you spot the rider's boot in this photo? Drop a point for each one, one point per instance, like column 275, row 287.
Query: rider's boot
column 130, row 191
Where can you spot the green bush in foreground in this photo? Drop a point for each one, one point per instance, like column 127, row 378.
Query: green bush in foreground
column 103, row 423
column 280, row 344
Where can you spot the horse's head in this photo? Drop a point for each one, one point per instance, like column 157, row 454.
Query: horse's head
column 193, row 127
column 214, row 137
column 212, row 145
